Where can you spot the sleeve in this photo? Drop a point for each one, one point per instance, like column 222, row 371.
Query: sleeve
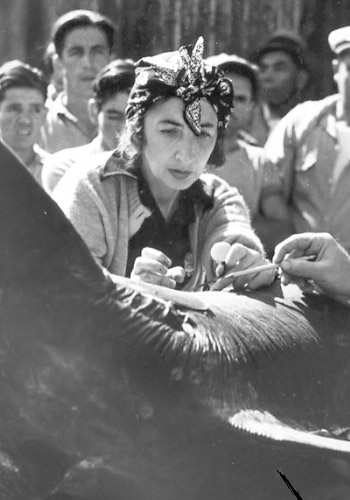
column 228, row 220
column 54, row 169
column 279, row 157
column 79, row 199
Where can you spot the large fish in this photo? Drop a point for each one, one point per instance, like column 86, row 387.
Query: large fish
column 122, row 391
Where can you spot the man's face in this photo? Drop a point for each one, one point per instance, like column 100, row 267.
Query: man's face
column 279, row 77
column 342, row 75
column 243, row 101
column 84, row 54
column 22, row 113
column 111, row 119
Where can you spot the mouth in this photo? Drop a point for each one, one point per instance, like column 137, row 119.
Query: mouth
column 88, row 79
column 180, row 174
column 24, row 132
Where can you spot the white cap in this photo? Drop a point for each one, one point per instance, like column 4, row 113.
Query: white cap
column 339, row 40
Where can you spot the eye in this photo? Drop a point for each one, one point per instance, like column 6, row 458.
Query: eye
column 16, row 108
column 99, row 50
column 76, row 51
column 37, row 109
column 206, row 134
column 168, row 131
column 115, row 116
column 241, row 98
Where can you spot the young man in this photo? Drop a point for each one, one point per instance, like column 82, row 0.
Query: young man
column 107, row 110
column 148, row 211
column 242, row 168
column 283, row 75
column 83, row 42
column 22, row 112
column 308, row 161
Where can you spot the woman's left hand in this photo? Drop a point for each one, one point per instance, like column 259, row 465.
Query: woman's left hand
column 238, row 258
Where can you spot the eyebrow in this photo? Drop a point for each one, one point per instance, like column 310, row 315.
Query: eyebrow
column 78, row 45
column 178, row 124
column 168, row 121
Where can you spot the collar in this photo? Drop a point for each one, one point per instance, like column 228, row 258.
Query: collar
column 61, row 109
column 199, row 191
column 112, row 167
column 194, row 194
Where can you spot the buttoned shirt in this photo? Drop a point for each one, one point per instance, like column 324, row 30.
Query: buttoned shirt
column 302, row 153
column 169, row 236
column 36, row 165
column 244, row 169
column 62, row 129
column 59, row 163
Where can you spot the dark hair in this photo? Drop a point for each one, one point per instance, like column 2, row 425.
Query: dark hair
column 16, row 74
column 132, row 139
column 77, row 19
column 286, row 41
column 246, row 70
column 117, row 76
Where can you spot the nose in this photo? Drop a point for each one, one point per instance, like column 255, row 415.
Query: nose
column 87, row 60
column 186, row 151
column 267, row 75
column 25, row 117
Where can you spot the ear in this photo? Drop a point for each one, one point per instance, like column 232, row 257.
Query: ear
column 335, row 68
column 57, row 64
column 303, row 78
column 93, row 110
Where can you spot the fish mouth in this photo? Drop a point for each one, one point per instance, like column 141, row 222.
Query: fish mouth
column 266, row 425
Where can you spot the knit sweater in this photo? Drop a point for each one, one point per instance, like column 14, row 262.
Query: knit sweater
column 102, row 202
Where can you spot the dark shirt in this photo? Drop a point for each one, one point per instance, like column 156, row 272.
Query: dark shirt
column 170, row 237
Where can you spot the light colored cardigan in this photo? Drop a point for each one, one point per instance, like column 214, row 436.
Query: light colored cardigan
column 102, row 202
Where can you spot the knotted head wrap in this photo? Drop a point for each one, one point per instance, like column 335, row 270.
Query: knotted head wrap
column 181, row 74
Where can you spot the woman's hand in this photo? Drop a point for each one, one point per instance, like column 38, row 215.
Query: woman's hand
column 153, row 266
column 238, row 258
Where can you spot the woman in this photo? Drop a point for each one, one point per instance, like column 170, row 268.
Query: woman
column 149, row 211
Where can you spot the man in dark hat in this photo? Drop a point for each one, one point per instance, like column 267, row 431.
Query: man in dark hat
column 242, row 154
column 307, row 160
column 283, row 75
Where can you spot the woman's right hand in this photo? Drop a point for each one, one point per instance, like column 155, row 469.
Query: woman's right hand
column 153, row 266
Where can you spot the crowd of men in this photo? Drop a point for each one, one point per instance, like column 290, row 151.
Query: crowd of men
column 288, row 158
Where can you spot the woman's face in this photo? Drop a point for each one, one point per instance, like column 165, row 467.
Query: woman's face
column 173, row 157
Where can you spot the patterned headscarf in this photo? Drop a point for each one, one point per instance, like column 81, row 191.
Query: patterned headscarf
column 181, row 74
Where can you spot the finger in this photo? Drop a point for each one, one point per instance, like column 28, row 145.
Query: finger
column 144, row 264
column 302, row 268
column 176, row 273
column 222, row 283
column 299, row 244
column 153, row 253
column 220, row 269
column 264, row 278
column 236, row 253
column 154, row 279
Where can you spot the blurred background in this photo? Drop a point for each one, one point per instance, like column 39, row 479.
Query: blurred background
column 145, row 27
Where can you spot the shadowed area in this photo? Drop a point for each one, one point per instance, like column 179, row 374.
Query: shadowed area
column 110, row 393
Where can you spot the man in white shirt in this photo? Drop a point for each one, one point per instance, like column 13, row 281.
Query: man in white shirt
column 83, row 41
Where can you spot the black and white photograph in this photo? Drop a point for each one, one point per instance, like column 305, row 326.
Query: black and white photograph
column 174, row 249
